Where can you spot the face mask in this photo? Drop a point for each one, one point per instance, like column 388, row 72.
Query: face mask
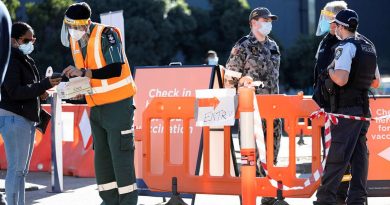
column 76, row 34
column 338, row 34
column 212, row 61
column 324, row 27
column 265, row 28
column 26, row 48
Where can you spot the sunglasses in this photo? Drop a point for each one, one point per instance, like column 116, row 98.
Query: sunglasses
column 28, row 40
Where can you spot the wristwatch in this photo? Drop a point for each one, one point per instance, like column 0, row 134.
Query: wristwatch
column 83, row 71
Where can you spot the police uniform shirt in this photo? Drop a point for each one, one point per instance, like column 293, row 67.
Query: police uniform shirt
column 344, row 54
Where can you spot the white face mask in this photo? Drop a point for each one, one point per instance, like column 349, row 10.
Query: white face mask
column 212, row 61
column 26, row 48
column 336, row 32
column 265, row 28
column 76, row 34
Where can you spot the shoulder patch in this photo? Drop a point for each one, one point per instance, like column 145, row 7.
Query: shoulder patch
column 111, row 38
column 109, row 32
column 338, row 53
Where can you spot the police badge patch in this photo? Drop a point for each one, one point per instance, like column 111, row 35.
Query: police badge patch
column 338, row 53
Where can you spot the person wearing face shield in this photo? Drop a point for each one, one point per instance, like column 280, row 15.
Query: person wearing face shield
column 99, row 55
column 256, row 57
column 353, row 71
column 325, row 51
column 324, row 57
column 20, row 109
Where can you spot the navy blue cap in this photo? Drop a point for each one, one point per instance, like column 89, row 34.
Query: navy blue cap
column 348, row 18
column 262, row 12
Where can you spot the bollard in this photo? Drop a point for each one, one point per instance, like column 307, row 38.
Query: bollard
column 248, row 157
column 57, row 178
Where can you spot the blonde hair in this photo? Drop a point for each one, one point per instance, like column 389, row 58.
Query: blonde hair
column 336, row 6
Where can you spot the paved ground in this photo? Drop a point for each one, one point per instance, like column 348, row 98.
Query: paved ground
column 82, row 191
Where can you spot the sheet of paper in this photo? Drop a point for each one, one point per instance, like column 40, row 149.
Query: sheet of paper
column 215, row 107
column 75, row 86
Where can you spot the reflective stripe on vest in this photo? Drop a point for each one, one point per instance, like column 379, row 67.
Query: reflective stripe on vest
column 107, row 90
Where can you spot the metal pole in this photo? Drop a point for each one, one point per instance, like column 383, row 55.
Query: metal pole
column 57, row 178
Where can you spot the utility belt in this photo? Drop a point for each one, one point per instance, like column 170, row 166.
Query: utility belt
column 345, row 97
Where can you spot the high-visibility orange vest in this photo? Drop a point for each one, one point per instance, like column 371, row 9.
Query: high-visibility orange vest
column 104, row 90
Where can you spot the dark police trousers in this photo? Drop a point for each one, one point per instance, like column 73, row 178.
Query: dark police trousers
column 348, row 146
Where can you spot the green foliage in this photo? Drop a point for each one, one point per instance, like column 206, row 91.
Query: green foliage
column 219, row 28
column 155, row 29
column 298, row 62
column 162, row 31
column 12, row 6
column 46, row 19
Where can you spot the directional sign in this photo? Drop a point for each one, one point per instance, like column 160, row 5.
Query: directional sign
column 208, row 102
column 215, row 107
column 385, row 154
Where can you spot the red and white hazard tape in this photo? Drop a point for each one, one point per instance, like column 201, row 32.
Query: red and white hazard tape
column 329, row 118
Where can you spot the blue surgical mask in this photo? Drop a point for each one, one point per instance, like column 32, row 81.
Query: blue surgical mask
column 265, row 28
column 26, row 48
column 213, row 61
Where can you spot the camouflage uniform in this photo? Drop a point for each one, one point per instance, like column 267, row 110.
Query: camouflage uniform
column 261, row 61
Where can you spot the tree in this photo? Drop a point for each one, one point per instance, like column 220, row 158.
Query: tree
column 179, row 16
column 297, row 66
column 46, row 19
column 12, row 6
column 219, row 28
column 153, row 28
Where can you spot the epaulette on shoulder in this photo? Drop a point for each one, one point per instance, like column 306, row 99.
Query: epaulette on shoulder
column 108, row 30
column 239, row 42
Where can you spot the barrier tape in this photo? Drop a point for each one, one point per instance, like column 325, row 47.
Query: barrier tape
column 329, row 118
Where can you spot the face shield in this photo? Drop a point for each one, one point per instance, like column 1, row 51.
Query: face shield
column 75, row 30
column 324, row 22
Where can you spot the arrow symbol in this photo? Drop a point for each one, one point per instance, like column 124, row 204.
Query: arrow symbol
column 208, row 102
column 385, row 154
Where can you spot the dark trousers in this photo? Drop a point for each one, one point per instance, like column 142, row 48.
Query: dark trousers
column 278, row 128
column 342, row 191
column 114, row 152
column 348, row 146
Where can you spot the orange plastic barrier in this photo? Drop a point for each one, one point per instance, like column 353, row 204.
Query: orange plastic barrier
column 77, row 160
column 271, row 106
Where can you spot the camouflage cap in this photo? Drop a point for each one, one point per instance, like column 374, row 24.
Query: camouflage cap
column 262, row 12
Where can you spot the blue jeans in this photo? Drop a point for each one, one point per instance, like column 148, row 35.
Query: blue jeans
column 18, row 134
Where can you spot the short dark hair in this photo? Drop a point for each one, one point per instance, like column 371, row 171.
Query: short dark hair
column 350, row 29
column 19, row 29
column 79, row 11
